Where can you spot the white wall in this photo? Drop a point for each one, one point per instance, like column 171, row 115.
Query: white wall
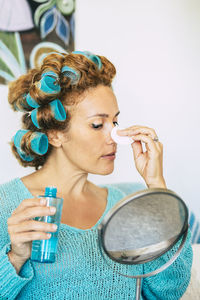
column 155, row 47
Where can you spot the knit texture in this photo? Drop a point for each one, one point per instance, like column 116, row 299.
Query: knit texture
column 80, row 272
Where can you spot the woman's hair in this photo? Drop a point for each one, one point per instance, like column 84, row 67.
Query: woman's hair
column 69, row 94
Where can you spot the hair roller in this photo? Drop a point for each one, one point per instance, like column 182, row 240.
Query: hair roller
column 95, row 59
column 57, row 110
column 49, row 83
column 17, row 142
column 34, row 118
column 51, row 74
column 31, row 102
column 38, row 143
column 21, row 104
column 73, row 74
column 90, row 56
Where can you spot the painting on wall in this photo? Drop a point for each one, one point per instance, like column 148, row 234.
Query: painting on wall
column 29, row 30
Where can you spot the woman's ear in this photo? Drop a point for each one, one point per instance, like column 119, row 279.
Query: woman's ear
column 56, row 138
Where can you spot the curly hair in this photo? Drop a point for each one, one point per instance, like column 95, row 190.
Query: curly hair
column 69, row 94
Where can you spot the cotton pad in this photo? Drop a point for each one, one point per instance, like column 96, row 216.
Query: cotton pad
column 123, row 140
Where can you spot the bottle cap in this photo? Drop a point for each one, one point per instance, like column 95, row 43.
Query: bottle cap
column 50, row 191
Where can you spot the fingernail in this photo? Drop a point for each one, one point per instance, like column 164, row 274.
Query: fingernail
column 54, row 226
column 48, row 235
column 42, row 201
column 52, row 209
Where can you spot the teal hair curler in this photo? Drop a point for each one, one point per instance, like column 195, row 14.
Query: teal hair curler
column 73, row 74
column 90, row 56
column 24, row 156
column 34, row 118
column 57, row 109
column 23, row 106
column 39, row 144
column 17, row 142
column 31, row 102
column 51, row 74
column 49, row 83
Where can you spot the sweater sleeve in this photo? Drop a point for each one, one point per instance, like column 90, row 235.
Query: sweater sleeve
column 172, row 283
column 11, row 283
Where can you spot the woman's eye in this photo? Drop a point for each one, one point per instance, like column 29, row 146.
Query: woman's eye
column 96, row 126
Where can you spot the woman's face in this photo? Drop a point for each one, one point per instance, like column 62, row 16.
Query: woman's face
column 89, row 136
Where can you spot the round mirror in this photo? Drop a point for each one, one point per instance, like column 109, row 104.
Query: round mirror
column 143, row 226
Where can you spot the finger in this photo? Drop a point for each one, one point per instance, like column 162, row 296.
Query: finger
column 146, row 131
column 149, row 143
column 30, row 236
column 138, row 130
column 29, row 203
column 32, row 226
column 130, row 127
column 30, row 213
column 125, row 131
column 137, row 149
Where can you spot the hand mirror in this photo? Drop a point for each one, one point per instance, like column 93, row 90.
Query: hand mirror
column 143, row 226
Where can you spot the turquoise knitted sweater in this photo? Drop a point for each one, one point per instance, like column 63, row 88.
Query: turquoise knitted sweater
column 79, row 271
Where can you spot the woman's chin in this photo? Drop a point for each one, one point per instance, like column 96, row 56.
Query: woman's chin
column 106, row 171
column 99, row 169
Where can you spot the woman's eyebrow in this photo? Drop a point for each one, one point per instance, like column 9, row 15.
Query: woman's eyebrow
column 104, row 115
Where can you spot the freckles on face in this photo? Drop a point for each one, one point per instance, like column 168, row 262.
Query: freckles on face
column 86, row 144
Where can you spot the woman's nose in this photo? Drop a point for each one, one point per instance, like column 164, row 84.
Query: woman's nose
column 109, row 137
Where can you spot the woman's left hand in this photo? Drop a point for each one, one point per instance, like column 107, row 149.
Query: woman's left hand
column 149, row 163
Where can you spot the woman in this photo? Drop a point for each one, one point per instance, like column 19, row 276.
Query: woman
column 70, row 100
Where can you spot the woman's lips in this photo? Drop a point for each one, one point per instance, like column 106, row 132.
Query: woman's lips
column 110, row 156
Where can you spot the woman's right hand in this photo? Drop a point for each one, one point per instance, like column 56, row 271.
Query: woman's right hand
column 23, row 229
